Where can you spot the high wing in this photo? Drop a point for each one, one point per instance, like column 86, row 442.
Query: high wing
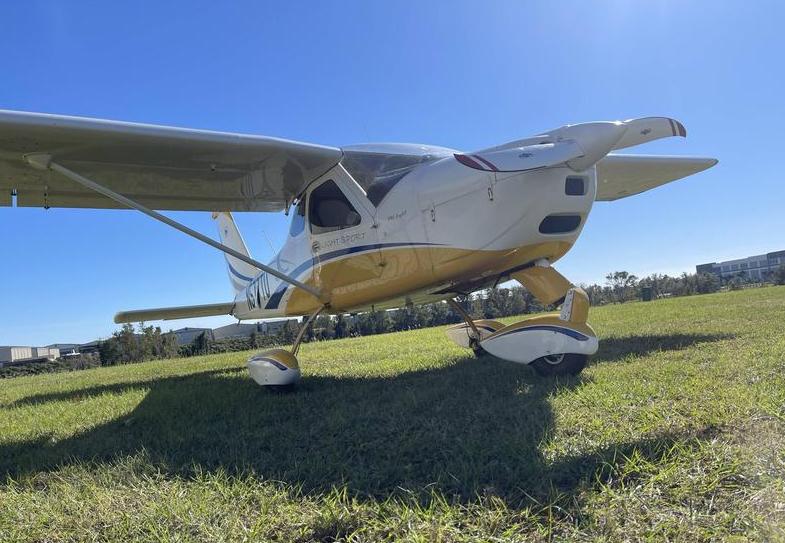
column 161, row 167
column 619, row 176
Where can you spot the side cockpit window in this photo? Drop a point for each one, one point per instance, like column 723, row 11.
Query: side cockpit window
column 298, row 220
column 378, row 168
column 329, row 209
column 378, row 173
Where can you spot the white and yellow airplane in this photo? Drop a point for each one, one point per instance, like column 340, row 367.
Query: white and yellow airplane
column 373, row 226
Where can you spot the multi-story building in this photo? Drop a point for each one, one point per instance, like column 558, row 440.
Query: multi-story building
column 756, row 268
column 17, row 354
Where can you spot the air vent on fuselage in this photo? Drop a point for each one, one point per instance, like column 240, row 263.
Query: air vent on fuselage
column 559, row 224
column 575, row 186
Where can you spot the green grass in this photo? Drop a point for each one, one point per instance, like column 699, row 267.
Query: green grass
column 675, row 431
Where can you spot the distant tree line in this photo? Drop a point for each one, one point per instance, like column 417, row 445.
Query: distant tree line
column 130, row 344
column 127, row 346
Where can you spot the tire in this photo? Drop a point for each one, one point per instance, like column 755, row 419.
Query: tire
column 561, row 364
column 282, row 389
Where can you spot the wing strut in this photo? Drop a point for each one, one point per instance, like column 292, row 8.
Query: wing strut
column 44, row 162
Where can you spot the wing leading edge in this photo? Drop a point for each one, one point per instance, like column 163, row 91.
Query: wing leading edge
column 161, row 167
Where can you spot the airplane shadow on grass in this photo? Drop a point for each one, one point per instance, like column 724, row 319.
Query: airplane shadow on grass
column 472, row 428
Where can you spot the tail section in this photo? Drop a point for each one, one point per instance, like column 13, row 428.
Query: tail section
column 240, row 273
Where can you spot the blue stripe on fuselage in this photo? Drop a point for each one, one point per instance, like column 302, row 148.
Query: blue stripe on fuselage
column 558, row 329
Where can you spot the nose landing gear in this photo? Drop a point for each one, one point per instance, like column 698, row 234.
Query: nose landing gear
column 278, row 369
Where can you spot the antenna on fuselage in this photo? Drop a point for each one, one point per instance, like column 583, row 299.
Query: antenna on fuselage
column 272, row 249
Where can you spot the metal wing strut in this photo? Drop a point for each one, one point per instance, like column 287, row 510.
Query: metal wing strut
column 44, row 162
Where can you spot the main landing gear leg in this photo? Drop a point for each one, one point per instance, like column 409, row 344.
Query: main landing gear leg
column 471, row 332
column 278, row 369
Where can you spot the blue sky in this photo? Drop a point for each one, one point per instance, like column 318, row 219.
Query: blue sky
column 461, row 74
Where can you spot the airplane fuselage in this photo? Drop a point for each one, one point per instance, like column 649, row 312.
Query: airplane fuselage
column 445, row 227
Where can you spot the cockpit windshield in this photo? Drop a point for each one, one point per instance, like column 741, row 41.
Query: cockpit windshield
column 378, row 168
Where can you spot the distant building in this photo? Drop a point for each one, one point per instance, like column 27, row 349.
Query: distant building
column 756, row 268
column 187, row 335
column 247, row 329
column 50, row 353
column 14, row 354
column 66, row 349
column 89, row 347
column 236, row 330
column 274, row 327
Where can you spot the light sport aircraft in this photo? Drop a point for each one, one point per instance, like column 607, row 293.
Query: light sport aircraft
column 373, row 226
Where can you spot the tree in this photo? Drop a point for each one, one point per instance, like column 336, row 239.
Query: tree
column 778, row 275
column 341, row 327
column 109, row 351
column 129, row 345
column 735, row 283
column 497, row 303
column 202, row 343
column 622, row 285
column 707, row 283
column 169, row 346
column 288, row 332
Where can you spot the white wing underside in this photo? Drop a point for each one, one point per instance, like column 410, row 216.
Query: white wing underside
column 619, row 176
column 160, row 167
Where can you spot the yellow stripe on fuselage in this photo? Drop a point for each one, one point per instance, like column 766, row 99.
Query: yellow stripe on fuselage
column 376, row 276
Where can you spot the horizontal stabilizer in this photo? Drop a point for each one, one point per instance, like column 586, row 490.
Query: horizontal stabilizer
column 172, row 313
column 619, row 176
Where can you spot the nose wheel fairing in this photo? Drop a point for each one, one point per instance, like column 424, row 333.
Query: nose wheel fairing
column 275, row 367
column 279, row 368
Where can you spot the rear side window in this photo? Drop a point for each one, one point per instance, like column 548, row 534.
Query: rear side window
column 559, row 224
column 329, row 209
column 298, row 220
column 575, row 186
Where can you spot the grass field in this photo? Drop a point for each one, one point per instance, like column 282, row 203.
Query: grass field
column 675, row 431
